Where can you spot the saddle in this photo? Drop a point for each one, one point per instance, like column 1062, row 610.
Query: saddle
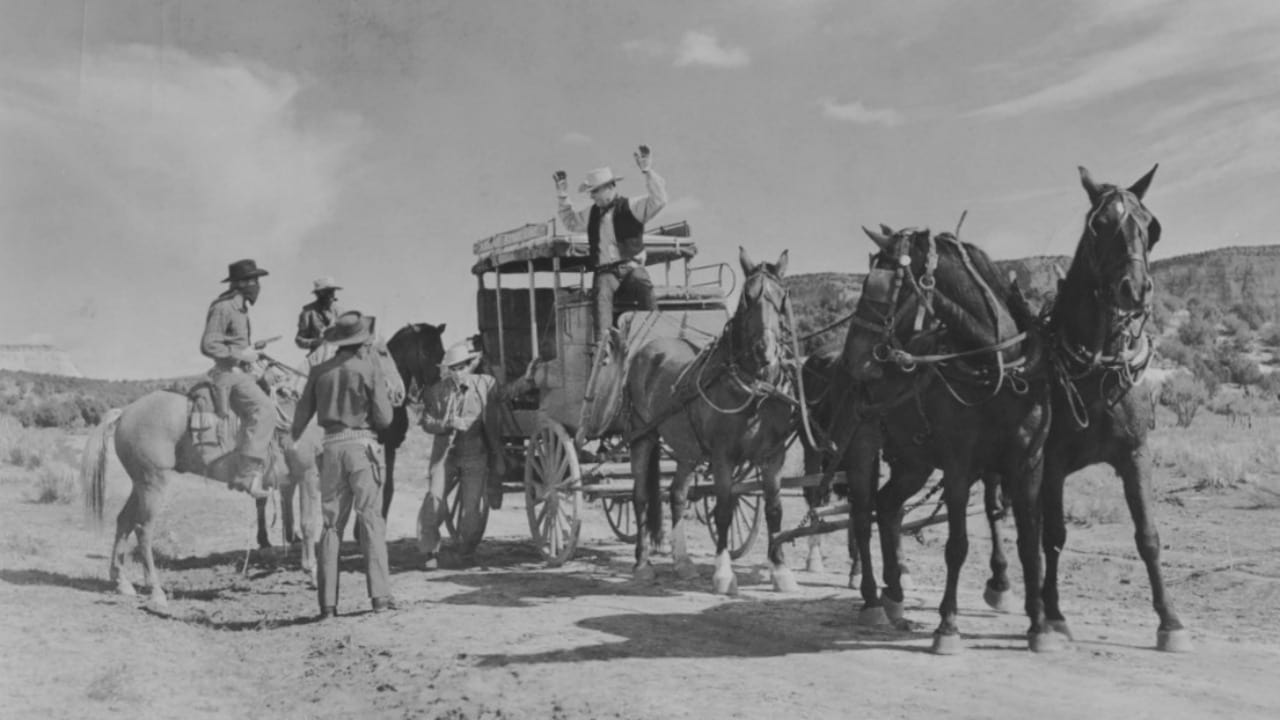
column 215, row 429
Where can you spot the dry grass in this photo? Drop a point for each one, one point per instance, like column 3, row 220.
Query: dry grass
column 1214, row 455
column 35, row 448
column 56, row 483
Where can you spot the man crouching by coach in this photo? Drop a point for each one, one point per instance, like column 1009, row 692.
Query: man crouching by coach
column 348, row 396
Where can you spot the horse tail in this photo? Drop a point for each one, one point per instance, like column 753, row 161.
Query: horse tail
column 93, row 466
column 653, row 523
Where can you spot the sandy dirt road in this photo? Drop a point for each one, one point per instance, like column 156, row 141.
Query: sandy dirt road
column 508, row 638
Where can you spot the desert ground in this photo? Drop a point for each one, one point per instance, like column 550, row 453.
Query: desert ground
column 507, row 637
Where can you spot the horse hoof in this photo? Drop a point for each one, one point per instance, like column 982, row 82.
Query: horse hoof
column 1045, row 642
column 854, row 578
column 870, row 616
column 644, row 574
column 686, row 570
column 264, row 544
column 814, row 563
column 784, row 581
column 124, row 587
column 998, row 600
column 904, row 581
column 892, row 610
column 947, row 643
column 1060, row 627
column 158, row 598
column 723, row 585
column 1175, row 641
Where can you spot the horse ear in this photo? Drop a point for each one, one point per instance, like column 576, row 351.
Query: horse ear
column 747, row 263
column 780, row 268
column 881, row 241
column 1089, row 186
column 440, row 328
column 1140, row 188
column 888, row 231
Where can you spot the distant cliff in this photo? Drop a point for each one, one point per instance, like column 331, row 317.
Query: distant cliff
column 44, row 359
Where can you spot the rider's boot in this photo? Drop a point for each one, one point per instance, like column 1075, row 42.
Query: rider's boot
column 249, row 477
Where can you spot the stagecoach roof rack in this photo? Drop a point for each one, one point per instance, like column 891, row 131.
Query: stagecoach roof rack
column 541, row 243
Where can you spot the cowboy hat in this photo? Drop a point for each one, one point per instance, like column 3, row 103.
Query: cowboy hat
column 351, row 328
column 597, row 178
column 459, row 353
column 325, row 283
column 243, row 270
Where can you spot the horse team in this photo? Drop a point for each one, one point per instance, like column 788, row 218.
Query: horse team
column 944, row 367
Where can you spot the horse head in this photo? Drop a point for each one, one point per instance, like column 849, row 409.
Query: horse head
column 1105, row 300
column 417, row 350
column 1119, row 232
column 755, row 330
column 920, row 284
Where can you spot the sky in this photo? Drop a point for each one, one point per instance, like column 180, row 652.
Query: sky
column 145, row 145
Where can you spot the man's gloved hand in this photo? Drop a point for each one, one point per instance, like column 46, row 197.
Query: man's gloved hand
column 245, row 355
column 562, row 183
column 644, row 158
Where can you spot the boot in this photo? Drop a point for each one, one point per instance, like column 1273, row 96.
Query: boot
column 249, row 477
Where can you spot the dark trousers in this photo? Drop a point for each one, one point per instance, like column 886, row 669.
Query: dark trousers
column 628, row 288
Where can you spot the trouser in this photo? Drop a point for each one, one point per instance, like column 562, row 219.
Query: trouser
column 628, row 287
column 453, row 455
column 256, row 411
column 351, row 478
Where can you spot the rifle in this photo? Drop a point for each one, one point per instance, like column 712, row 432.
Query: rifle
column 272, row 362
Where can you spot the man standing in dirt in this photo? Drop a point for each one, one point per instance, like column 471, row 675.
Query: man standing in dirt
column 461, row 413
column 348, row 396
column 226, row 341
column 615, row 236
column 315, row 318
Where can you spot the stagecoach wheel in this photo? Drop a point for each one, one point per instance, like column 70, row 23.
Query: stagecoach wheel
column 747, row 511
column 553, row 492
column 468, row 540
column 621, row 514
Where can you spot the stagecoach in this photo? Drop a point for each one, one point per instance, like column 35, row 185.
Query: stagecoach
column 537, row 326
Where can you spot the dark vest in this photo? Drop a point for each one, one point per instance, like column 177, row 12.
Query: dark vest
column 628, row 231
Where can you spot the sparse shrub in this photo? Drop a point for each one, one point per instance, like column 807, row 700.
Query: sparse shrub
column 1197, row 332
column 1269, row 386
column 56, row 483
column 1173, row 350
column 1184, row 395
column 1271, row 336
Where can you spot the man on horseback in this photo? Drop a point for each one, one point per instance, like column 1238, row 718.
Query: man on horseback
column 460, row 412
column 348, row 396
column 315, row 318
column 615, row 236
column 226, row 341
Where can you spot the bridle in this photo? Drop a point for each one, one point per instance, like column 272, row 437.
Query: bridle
column 1124, row 331
column 736, row 347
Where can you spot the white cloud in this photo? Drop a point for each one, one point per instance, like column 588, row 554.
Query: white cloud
column 858, row 113
column 575, row 138
column 698, row 48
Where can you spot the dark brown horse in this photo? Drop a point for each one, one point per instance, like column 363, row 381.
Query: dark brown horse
column 417, row 350
column 723, row 405
column 952, row 381
column 1098, row 330
column 823, row 397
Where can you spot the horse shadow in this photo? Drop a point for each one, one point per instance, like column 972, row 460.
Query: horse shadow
column 750, row 629
column 32, row 577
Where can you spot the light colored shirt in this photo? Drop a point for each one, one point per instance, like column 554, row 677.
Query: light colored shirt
column 347, row 392
column 226, row 328
column 644, row 208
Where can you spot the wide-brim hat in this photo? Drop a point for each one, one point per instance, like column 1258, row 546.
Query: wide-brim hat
column 459, row 353
column 325, row 283
column 243, row 270
column 351, row 328
column 597, row 178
